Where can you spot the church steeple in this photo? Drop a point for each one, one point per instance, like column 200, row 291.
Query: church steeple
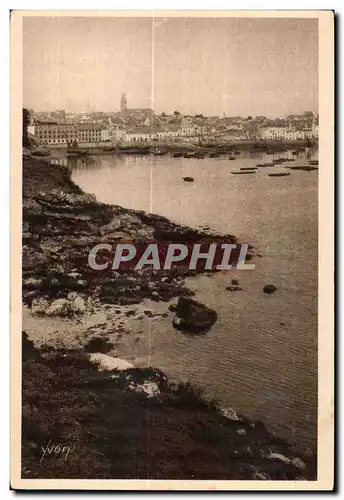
column 123, row 103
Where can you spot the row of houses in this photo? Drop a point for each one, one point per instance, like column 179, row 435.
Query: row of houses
column 289, row 133
column 53, row 133
column 63, row 133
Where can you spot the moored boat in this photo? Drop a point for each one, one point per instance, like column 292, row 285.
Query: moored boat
column 279, row 174
column 41, row 152
column 306, row 168
column 158, row 152
column 244, row 172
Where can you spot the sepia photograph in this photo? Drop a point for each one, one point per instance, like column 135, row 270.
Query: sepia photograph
column 171, row 196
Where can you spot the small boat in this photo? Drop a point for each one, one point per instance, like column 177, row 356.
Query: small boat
column 177, row 155
column 231, row 158
column 188, row 179
column 279, row 174
column 248, row 168
column 305, row 168
column 313, row 162
column 268, row 165
column 260, row 165
column 244, row 172
column 109, row 149
column 76, row 153
column 158, row 153
column 41, row 152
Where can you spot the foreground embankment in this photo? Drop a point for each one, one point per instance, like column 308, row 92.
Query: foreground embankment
column 88, row 414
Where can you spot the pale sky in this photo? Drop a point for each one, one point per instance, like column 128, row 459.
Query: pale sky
column 235, row 66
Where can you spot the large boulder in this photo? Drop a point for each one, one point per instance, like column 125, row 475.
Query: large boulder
column 74, row 304
column 192, row 316
column 108, row 363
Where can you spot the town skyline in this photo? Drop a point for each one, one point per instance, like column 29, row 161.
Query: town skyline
column 171, row 113
column 240, row 67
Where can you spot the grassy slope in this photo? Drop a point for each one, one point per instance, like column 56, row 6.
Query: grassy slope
column 116, row 433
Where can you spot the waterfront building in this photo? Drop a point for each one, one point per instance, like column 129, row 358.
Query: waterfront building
column 63, row 133
column 286, row 133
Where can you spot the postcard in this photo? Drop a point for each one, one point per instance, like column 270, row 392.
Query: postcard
column 172, row 256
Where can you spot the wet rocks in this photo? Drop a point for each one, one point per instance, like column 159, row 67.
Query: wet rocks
column 269, row 289
column 193, row 316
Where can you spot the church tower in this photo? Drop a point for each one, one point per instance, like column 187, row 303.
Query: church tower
column 123, row 106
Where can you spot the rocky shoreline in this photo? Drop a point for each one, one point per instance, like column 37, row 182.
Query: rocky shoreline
column 78, row 378
column 61, row 224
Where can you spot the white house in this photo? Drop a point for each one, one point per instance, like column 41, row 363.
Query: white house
column 106, row 134
column 285, row 133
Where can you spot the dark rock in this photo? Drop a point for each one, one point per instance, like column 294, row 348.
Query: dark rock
column 269, row 288
column 233, row 288
column 193, row 316
column 172, row 307
column 28, row 349
column 98, row 344
column 131, row 312
column 235, row 282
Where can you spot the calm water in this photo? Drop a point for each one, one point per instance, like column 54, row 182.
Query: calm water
column 261, row 355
